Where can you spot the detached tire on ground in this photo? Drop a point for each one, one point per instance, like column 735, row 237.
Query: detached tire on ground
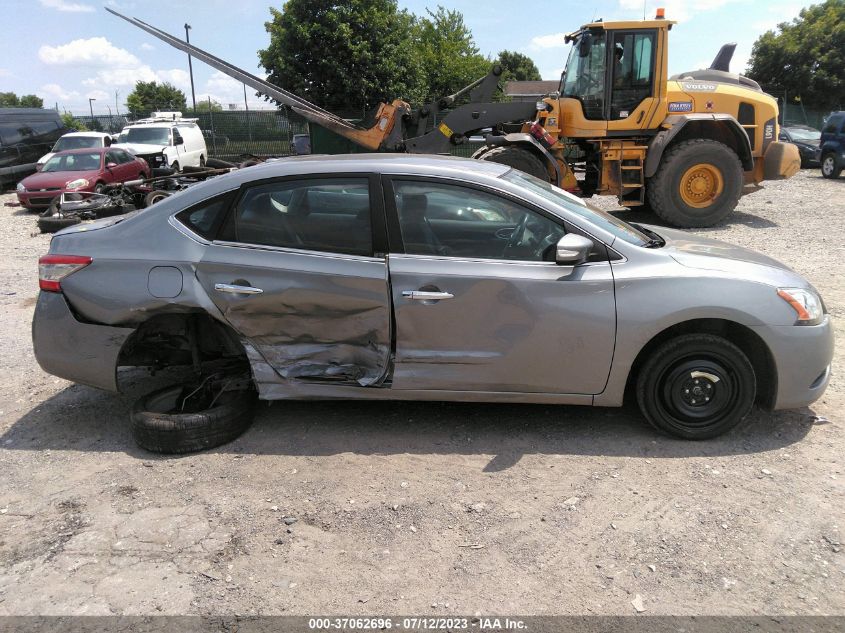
column 155, row 196
column 53, row 223
column 697, row 184
column 158, row 426
column 518, row 158
column 696, row 386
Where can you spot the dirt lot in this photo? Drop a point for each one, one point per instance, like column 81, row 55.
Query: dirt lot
column 425, row 508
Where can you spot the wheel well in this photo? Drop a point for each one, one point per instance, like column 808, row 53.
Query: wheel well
column 180, row 339
column 741, row 336
column 719, row 131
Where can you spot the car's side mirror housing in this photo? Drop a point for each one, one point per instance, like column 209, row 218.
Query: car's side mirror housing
column 572, row 249
column 111, row 165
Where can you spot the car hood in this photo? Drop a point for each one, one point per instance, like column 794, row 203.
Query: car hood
column 140, row 148
column 45, row 180
column 704, row 253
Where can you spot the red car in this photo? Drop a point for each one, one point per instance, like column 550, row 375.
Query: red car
column 80, row 170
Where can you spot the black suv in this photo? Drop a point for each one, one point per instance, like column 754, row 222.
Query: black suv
column 832, row 145
column 26, row 134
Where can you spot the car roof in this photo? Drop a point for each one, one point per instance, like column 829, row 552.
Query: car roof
column 384, row 163
column 96, row 134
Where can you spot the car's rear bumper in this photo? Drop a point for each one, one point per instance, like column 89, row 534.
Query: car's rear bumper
column 803, row 356
column 66, row 347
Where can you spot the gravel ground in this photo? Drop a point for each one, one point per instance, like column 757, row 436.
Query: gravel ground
column 425, row 508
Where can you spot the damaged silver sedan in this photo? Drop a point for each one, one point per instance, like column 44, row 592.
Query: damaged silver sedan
column 424, row 278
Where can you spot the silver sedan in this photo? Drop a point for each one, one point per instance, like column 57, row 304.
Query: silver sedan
column 430, row 278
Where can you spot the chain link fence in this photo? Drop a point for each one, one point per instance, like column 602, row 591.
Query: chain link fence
column 235, row 134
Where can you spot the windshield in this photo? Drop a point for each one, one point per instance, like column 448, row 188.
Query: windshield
column 583, row 78
column 560, row 198
column 148, row 135
column 800, row 134
column 73, row 162
column 77, row 142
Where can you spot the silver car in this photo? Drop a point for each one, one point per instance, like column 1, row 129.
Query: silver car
column 430, row 278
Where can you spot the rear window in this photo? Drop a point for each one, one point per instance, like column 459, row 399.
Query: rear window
column 205, row 218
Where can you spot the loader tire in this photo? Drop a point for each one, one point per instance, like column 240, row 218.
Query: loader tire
column 159, row 426
column 697, row 184
column 518, row 158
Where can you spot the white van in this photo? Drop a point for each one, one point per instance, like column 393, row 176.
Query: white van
column 75, row 140
column 165, row 140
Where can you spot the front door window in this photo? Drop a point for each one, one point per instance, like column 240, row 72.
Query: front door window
column 633, row 70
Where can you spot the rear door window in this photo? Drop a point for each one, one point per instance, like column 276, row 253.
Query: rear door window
column 327, row 214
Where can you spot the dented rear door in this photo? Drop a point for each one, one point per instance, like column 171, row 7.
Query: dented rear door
column 294, row 273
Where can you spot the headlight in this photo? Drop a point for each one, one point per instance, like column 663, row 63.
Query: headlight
column 77, row 184
column 20, row 187
column 807, row 304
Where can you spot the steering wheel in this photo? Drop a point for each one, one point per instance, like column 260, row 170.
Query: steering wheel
column 550, row 241
column 516, row 237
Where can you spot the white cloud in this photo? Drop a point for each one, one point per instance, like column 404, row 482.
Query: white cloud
column 677, row 10
column 147, row 47
column 554, row 40
column 98, row 95
column 96, row 52
column 225, row 90
column 5, row 72
column 55, row 91
column 69, row 7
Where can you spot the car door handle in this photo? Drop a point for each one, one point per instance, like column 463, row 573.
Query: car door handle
column 241, row 290
column 423, row 295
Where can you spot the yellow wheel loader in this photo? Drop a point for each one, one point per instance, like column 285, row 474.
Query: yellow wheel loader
column 686, row 147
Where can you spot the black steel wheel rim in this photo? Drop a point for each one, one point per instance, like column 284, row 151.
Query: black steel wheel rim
column 697, row 393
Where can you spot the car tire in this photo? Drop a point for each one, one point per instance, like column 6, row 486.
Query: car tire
column 113, row 210
column 155, row 196
column 202, row 161
column 53, row 223
column 157, row 428
column 175, row 167
column 829, row 167
column 698, row 184
column 696, row 386
column 99, row 187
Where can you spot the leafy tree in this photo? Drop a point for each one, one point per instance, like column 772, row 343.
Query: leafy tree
column 447, row 53
column 343, row 55
column 75, row 124
column 11, row 100
column 805, row 57
column 149, row 96
column 209, row 106
column 31, row 101
column 518, row 67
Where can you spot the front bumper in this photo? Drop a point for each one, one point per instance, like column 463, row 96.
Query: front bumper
column 66, row 347
column 803, row 356
column 42, row 199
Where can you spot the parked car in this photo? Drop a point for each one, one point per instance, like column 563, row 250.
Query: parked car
column 340, row 277
column 806, row 139
column 832, row 145
column 79, row 170
column 165, row 140
column 75, row 140
column 25, row 134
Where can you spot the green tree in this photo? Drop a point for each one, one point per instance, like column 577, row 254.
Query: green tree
column 75, row 124
column 31, row 101
column 149, row 96
column 11, row 100
column 343, row 55
column 447, row 53
column 805, row 57
column 209, row 106
column 518, row 67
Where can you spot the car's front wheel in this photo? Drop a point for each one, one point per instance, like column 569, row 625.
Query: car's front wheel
column 829, row 168
column 696, row 386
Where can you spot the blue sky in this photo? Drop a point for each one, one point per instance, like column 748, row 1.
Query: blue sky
column 67, row 51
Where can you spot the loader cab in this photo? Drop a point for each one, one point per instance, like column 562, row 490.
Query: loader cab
column 615, row 74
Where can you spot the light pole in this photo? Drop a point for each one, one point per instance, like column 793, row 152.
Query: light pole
column 190, row 67
column 91, row 109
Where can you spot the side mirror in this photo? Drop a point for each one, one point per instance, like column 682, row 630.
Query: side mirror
column 572, row 249
column 111, row 165
column 585, row 44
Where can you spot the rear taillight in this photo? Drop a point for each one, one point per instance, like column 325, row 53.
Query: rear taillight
column 53, row 268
